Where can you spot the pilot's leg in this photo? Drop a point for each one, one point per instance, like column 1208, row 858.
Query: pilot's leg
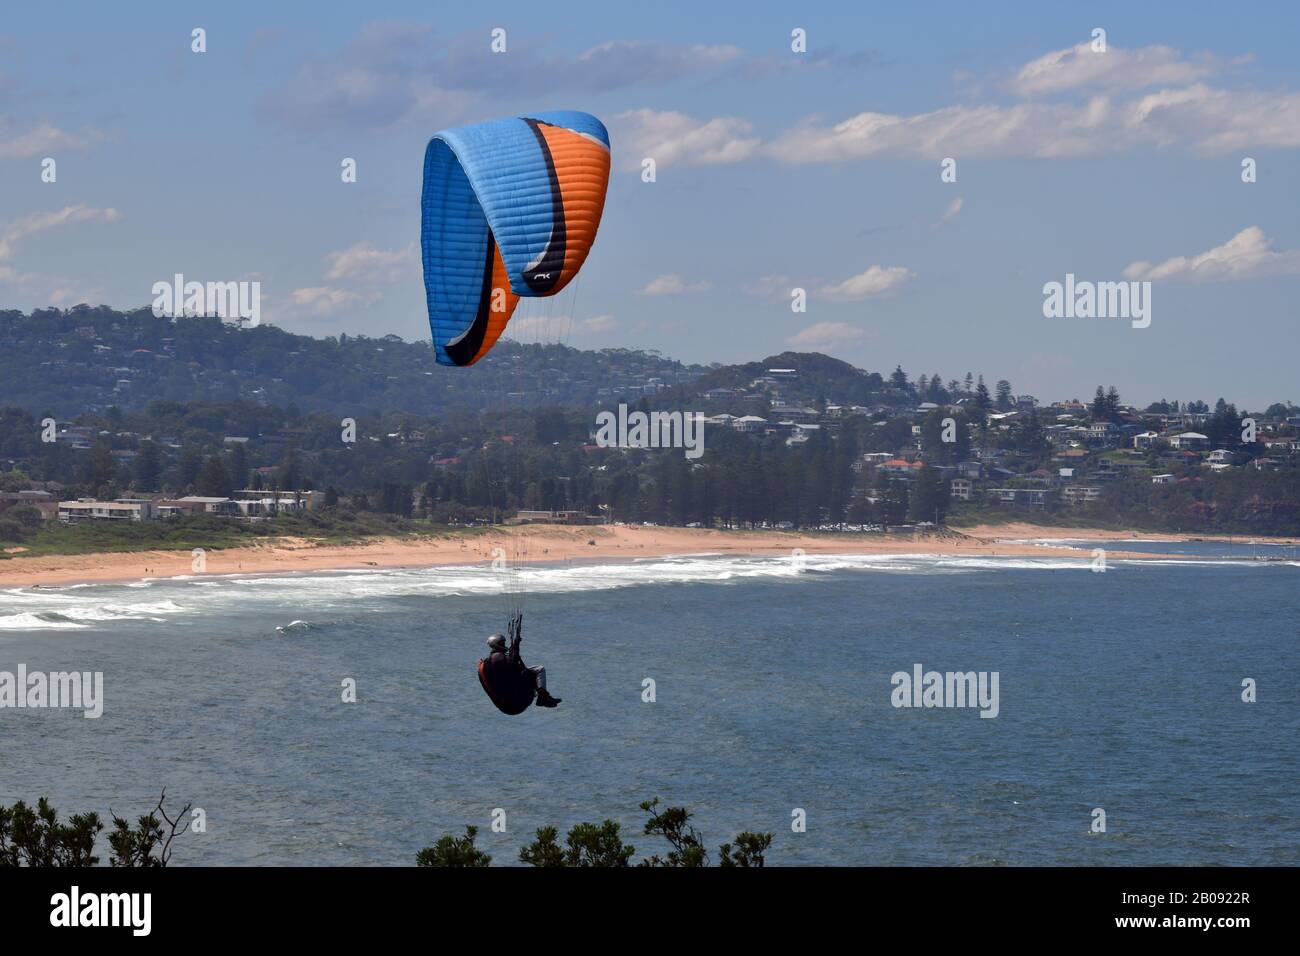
column 544, row 699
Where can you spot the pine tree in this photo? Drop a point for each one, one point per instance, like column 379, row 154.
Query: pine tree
column 928, row 500
column 936, row 389
column 1112, row 404
column 99, row 468
column 148, row 466
column 290, row 476
column 191, row 463
column 214, row 480
column 239, row 464
column 1098, row 407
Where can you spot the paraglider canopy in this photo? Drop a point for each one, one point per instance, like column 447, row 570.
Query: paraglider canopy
column 510, row 208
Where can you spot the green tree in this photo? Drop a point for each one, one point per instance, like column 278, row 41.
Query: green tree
column 929, row 496
column 36, row 837
column 1112, row 405
column 454, row 851
column 749, row 850
column 214, row 480
column 686, row 848
column 28, row 517
column 99, row 468
column 601, row 845
column 148, row 845
column 588, row 844
column 187, row 470
column 290, row 473
column 239, row 464
column 148, row 466
column 1097, row 408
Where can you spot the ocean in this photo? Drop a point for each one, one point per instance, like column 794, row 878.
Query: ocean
column 772, row 684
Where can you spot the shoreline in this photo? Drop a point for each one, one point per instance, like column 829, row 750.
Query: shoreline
column 559, row 543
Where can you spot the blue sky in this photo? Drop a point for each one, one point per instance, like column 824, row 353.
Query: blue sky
column 775, row 170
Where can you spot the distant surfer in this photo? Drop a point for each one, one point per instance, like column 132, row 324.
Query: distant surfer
column 510, row 683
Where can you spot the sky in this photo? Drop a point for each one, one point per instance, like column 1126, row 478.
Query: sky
column 775, row 170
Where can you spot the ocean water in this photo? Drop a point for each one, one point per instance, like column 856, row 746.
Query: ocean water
column 773, row 688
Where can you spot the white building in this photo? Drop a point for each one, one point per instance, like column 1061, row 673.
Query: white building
column 749, row 424
column 88, row 509
column 1190, row 441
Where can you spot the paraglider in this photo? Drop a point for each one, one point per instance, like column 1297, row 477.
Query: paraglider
column 510, row 684
column 509, row 208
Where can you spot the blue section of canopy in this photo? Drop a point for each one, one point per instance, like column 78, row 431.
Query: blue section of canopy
column 453, row 247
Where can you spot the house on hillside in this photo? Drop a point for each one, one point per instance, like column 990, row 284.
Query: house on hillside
column 1189, row 441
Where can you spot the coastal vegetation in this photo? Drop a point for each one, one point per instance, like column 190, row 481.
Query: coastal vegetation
column 601, row 845
column 35, row 836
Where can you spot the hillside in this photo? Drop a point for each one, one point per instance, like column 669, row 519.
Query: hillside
column 88, row 359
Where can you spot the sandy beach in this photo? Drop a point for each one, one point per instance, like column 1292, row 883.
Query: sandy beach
column 543, row 543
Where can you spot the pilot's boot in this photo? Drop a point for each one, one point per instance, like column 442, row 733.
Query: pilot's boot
column 544, row 699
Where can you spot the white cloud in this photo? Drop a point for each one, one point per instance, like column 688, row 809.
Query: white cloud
column 598, row 323
column 672, row 285
column 675, row 139
column 12, row 232
column 535, row 327
column 826, row 335
column 1116, row 69
column 953, row 209
column 1216, row 121
column 1178, row 110
column 1199, row 117
column 43, row 140
column 1245, row 256
column 878, row 280
column 66, row 296
column 326, row 300
column 363, row 262
column 772, row 287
